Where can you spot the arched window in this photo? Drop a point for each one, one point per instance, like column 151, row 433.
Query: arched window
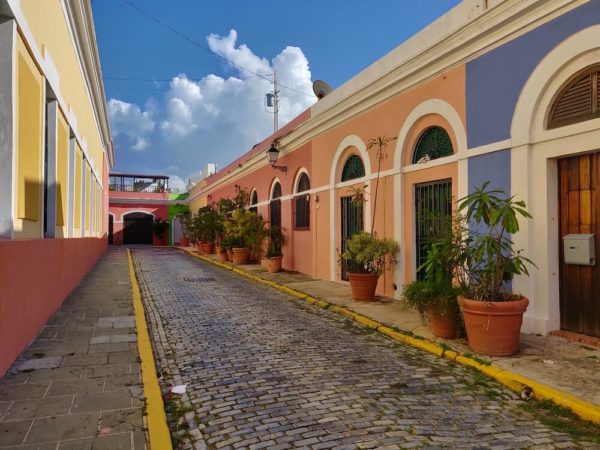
column 434, row 143
column 254, row 201
column 275, row 205
column 353, row 168
column 578, row 101
column 302, row 203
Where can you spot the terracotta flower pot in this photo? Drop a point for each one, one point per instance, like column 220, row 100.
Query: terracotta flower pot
column 241, row 255
column 208, row 247
column 222, row 254
column 184, row 242
column 230, row 254
column 274, row 264
column 493, row 328
column 443, row 325
column 363, row 285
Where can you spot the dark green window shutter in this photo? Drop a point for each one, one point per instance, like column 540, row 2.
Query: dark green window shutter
column 433, row 143
column 353, row 168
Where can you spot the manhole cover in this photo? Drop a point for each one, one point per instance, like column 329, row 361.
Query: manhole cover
column 198, row 279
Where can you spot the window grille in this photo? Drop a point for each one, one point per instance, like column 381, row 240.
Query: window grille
column 302, row 204
column 353, row 168
column 434, row 143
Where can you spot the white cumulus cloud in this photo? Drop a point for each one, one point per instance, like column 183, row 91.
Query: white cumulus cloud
column 214, row 119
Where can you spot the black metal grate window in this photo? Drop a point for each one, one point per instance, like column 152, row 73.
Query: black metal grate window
column 353, row 168
column 302, row 204
column 275, row 206
column 433, row 208
column 434, row 143
column 352, row 223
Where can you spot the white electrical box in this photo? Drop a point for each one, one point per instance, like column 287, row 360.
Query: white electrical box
column 579, row 249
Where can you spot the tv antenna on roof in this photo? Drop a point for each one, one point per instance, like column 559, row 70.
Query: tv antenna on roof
column 321, row 89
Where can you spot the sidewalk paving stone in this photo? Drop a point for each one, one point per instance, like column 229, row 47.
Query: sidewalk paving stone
column 78, row 385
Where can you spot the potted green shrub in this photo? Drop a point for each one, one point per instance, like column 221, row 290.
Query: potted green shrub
column 242, row 228
column 366, row 256
column 435, row 294
column 159, row 227
column 275, row 241
column 492, row 313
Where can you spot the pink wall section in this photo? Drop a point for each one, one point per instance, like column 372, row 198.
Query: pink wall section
column 36, row 276
column 118, row 210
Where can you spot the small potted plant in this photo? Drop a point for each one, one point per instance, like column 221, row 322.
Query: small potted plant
column 242, row 229
column 366, row 257
column 275, row 241
column 159, row 227
column 492, row 313
column 435, row 294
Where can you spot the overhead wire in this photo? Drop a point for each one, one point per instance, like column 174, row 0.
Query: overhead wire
column 207, row 49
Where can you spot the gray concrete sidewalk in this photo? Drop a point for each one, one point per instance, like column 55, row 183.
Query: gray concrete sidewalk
column 78, row 385
column 568, row 366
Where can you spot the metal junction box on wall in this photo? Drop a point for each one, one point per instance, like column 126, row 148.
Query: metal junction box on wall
column 579, row 249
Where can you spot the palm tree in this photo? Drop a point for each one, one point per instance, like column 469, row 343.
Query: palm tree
column 379, row 145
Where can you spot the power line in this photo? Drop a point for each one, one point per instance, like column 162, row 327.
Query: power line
column 206, row 49
column 171, row 79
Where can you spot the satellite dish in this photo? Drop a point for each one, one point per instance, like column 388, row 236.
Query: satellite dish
column 321, row 89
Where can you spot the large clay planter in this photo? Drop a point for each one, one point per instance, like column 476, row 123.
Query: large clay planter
column 363, row 285
column 230, row 254
column 184, row 242
column 443, row 326
column 241, row 255
column 222, row 254
column 208, row 247
column 274, row 264
column 493, row 328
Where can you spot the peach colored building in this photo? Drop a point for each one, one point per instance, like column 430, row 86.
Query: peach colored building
column 504, row 91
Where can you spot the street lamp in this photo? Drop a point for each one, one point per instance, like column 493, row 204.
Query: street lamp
column 273, row 155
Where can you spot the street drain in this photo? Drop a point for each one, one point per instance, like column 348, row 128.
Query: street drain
column 198, row 279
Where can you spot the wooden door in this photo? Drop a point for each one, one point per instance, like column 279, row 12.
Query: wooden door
column 579, row 188
column 137, row 228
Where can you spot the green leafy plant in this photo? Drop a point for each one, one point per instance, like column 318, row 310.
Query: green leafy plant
column 487, row 259
column 275, row 241
column 368, row 254
column 243, row 228
column 206, row 224
column 159, row 226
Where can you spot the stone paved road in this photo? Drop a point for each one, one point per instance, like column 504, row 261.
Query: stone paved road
column 266, row 371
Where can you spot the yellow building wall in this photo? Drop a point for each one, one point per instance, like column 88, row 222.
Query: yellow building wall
column 62, row 175
column 199, row 201
column 30, row 117
column 49, row 25
column 77, row 197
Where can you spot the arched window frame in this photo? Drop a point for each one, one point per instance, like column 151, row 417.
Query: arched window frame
column 347, row 170
column 424, row 156
column 254, row 201
column 302, row 202
column 577, row 105
column 275, row 203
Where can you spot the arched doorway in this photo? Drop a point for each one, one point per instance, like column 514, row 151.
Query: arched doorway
column 137, row 228
column 111, row 220
column 177, row 230
column 352, row 217
column 275, row 205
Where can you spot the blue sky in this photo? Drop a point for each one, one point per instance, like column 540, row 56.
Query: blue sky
column 181, row 107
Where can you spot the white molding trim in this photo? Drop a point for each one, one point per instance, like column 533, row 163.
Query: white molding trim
column 135, row 211
column 356, row 142
column 272, row 187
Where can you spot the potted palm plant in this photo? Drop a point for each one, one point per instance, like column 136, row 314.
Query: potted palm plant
column 275, row 241
column 366, row 256
column 492, row 313
column 241, row 228
column 159, row 227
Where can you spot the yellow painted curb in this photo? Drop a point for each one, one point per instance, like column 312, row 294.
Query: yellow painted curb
column 158, row 430
column 511, row 380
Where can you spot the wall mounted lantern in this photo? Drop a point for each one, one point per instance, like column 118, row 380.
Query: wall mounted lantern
column 273, row 155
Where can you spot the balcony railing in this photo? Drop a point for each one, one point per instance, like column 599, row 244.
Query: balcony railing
column 156, row 188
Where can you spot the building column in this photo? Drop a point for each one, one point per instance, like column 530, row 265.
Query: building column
column 8, row 30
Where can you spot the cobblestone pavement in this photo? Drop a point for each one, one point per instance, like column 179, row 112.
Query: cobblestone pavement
column 78, row 384
column 266, row 371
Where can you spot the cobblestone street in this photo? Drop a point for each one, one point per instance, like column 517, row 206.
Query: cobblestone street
column 266, row 371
